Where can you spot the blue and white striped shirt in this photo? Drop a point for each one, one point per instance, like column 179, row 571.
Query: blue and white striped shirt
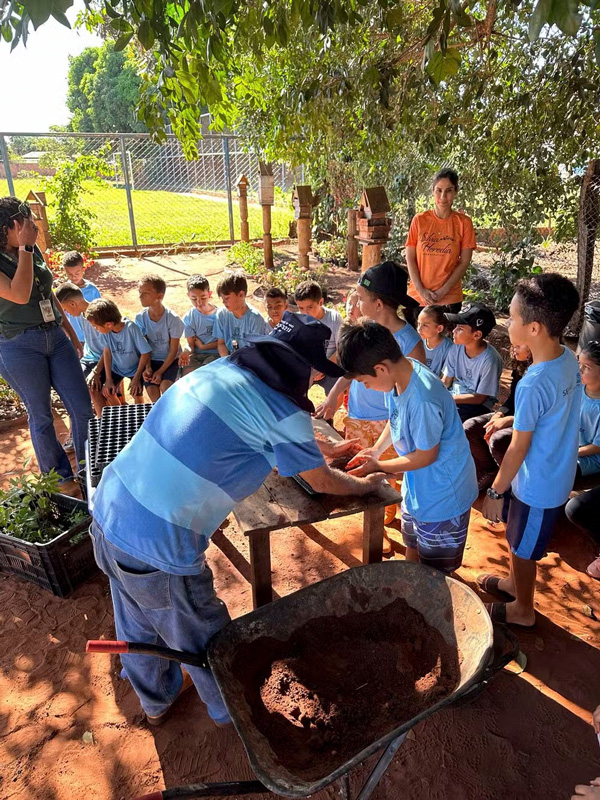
column 209, row 442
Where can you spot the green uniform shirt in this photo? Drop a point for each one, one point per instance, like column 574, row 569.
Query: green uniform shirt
column 15, row 318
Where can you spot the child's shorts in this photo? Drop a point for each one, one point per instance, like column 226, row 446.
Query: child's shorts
column 170, row 374
column 87, row 367
column 439, row 544
column 589, row 465
column 200, row 359
column 529, row 529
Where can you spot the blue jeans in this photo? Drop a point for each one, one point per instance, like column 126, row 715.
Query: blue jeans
column 178, row 611
column 32, row 363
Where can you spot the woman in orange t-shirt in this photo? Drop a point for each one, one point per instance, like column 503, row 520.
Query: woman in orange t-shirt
column 439, row 248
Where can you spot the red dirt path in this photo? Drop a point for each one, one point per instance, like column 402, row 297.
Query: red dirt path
column 526, row 736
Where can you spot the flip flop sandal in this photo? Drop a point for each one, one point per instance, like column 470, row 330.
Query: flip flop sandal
column 497, row 612
column 489, row 584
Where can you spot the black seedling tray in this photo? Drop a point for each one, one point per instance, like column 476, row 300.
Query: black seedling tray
column 118, row 425
column 93, row 434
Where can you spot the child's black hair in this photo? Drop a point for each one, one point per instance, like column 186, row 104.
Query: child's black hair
column 436, row 313
column 548, row 298
column 232, row 284
column 102, row 311
column 68, row 291
column 308, row 290
column 158, row 284
column 363, row 344
column 276, row 293
column 449, row 174
column 72, row 259
column 198, row 282
column 591, row 350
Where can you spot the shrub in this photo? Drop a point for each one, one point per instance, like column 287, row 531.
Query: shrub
column 510, row 265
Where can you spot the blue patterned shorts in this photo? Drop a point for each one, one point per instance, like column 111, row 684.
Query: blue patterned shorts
column 439, row 544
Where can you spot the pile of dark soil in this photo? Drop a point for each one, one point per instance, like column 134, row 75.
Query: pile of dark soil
column 340, row 683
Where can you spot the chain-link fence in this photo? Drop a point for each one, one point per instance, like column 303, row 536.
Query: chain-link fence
column 148, row 193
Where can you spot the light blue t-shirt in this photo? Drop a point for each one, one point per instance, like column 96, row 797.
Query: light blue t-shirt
column 424, row 416
column 159, row 334
column 208, row 443
column 435, row 357
column 94, row 341
column 479, row 375
column 201, row 326
column 229, row 328
column 334, row 321
column 368, row 404
column 126, row 347
column 90, row 292
column 589, row 432
column 547, row 402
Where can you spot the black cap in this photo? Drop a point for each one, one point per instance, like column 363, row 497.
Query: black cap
column 283, row 359
column 476, row 316
column 389, row 281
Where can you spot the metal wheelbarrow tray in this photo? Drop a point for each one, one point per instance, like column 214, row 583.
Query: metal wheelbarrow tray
column 446, row 604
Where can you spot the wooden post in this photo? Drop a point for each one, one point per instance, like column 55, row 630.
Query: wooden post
column 302, row 199
column 242, row 188
column 266, row 197
column 373, row 225
column 351, row 243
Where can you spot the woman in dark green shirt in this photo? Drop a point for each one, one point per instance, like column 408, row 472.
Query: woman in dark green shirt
column 39, row 350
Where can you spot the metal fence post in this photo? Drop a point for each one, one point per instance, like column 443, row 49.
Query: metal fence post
column 6, row 159
column 128, row 192
column 228, row 182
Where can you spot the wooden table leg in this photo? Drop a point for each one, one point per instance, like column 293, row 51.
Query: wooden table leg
column 260, row 568
column 373, row 534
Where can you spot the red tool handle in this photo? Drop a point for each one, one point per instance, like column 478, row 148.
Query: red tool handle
column 101, row 646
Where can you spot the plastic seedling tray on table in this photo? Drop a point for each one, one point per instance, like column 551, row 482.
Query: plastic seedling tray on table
column 118, row 425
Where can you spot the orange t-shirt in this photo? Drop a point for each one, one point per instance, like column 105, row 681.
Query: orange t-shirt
column 438, row 243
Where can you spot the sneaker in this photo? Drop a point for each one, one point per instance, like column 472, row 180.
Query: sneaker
column 594, row 569
column 68, row 445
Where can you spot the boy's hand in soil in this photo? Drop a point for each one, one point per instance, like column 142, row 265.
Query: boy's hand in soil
column 348, row 447
column 592, row 792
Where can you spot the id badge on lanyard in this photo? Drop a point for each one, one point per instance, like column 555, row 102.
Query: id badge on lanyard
column 47, row 311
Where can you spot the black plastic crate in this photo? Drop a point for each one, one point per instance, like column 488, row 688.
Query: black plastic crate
column 118, row 425
column 92, row 449
column 58, row 566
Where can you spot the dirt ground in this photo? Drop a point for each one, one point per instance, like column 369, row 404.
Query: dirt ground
column 71, row 729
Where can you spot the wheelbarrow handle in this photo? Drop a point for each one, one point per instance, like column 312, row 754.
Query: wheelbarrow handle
column 502, row 654
column 105, row 646
column 232, row 789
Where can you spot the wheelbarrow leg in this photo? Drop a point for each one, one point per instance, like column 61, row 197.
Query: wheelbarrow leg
column 380, row 768
column 345, row 787
column 373, row 534
column 260, row 568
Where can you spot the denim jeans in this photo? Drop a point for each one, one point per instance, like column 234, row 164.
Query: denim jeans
column 32, row 363
column 154, row 607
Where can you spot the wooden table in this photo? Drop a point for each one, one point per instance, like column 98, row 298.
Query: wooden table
column 281, row 503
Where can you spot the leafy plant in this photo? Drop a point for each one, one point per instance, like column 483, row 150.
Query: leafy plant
column 333, row 249
column 509, row 267
column 245, row 255
column 71, row 227
column 28, row 511
column 11, row 406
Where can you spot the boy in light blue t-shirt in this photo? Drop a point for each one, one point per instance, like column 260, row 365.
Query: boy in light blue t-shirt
column 439, row 484
column 199, row 324
column 237, row 320
column 589, row 421
column 537, row 473
column 74, row 268
column 472, row 367
column 163, row 329
column 128, row 352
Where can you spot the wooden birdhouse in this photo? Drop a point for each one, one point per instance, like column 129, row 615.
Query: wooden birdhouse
column 266, row 184
column 242, row 186
column 373, row 222
column 302, row 198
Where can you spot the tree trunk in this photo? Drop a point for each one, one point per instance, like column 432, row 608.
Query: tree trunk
column 587, row 227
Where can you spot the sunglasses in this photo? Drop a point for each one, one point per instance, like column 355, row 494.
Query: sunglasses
column 24, row 210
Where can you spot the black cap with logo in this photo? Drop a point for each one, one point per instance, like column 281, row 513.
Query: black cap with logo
column 476, row 316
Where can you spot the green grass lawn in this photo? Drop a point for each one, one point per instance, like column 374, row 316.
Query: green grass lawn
column 161, row 217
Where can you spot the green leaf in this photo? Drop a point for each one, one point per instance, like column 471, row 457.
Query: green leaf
column 435, row 67
column 394, row 17
column 123, row 41
column 443, row 118
column 60, row 17
column 145, row 34
column 39, row 11
column 7, row 32
column 597, row 48
column 566, row 16
column 462, row 18
column 121, row 25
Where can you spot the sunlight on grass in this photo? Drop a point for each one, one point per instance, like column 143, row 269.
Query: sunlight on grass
column 161, row 217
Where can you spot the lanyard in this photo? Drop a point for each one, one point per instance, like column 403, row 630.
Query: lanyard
column 36, row 278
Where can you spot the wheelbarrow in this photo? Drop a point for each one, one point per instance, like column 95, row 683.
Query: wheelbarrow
column 446, row 604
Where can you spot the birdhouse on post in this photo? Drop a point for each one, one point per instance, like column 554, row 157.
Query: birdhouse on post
column 373, row 224
column 266, row 197
column 37, row 203
column 303, row 201
column 242, row 189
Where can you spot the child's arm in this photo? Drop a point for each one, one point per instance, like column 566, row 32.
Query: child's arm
column 201, row 345
column 365, row 463
column 418, row 353
column 171, row 356
column 68, row 328
column 109, row 388
column 94, row 380
column 511, row 464
column 222, row 347
column 470, row 399
column 333, row 400
column 588, row 450
column 448, row 380
column 135, row 386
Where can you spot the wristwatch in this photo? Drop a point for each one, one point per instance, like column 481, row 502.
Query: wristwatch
column 27, row 247
column 494, row 495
